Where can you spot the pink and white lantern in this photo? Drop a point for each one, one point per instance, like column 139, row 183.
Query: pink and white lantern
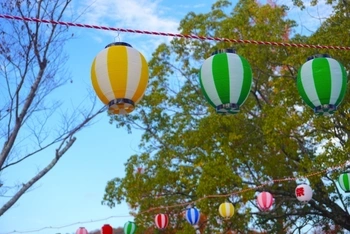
column 81, row 230
column 303, row 192
column 265, row 201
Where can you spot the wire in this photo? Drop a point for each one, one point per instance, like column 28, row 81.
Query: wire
column 266, row 183
column 191, row 36
column 64, row 226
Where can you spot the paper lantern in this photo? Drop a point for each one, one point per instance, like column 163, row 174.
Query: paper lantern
column 344, row 181
column 106, row 229
column 226, row 210
column 161, row 221
column 81, row 230
column 226, row 80
column 303, row 192
column 192, row 216
column 130, row 228
column 265, row 201
column 322, row 83
column 119, row 76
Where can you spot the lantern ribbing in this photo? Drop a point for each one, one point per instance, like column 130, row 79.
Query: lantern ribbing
column 190, row 36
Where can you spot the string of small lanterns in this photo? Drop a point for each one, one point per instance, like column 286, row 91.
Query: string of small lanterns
column 264, row 200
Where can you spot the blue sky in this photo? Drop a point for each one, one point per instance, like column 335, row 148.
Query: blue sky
column 71, row 193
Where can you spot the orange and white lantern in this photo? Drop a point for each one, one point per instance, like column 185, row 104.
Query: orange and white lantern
column 119, row 76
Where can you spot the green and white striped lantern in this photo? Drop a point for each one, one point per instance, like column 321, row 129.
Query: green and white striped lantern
column 344, row 182
column 322, row 84
column 226, row 80
column 130, row 228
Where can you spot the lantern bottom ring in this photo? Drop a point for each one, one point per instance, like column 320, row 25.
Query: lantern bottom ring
column 227, row 108
column 121, row 104
column 326, row 108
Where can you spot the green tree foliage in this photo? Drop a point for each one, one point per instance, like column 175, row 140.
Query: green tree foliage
column 189, row 152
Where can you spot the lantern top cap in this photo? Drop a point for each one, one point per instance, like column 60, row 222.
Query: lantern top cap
column 318, row 56
column 118, row 44
column 230, row 50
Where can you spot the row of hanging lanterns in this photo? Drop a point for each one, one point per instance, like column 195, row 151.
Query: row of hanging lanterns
column 105, row 229
column 129, row 228
column 119, row 76
column 265, row 200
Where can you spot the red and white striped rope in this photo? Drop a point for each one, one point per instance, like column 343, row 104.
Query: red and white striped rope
column 190, row 36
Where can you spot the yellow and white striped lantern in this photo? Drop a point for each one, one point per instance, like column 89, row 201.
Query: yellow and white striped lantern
column 226, row 210
column 119, row 76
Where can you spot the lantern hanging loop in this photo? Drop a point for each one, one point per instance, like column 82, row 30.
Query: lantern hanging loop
column 318, row 56
column 347, row 167
column 347, row 163
column 118, row 36
column 228, row 50
column 301, row 180
column 118, row 43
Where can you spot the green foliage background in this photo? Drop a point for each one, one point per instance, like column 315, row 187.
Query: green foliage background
column 190, row 152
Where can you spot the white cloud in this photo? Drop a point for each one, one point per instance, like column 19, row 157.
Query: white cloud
column 143, row 15
column 309, row 19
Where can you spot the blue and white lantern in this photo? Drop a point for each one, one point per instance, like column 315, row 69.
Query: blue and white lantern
column 192, row 216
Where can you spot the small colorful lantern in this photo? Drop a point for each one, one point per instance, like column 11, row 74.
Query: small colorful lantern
column 161, row 221
column 226, row 80
column 344, row 182
column 130, row 228
column 119, row 76
column 303, row 192
column 226, row 210
column 81, row 230
column 265, row 201
column 322, row 83
column 106, row 229
column 192, row 216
